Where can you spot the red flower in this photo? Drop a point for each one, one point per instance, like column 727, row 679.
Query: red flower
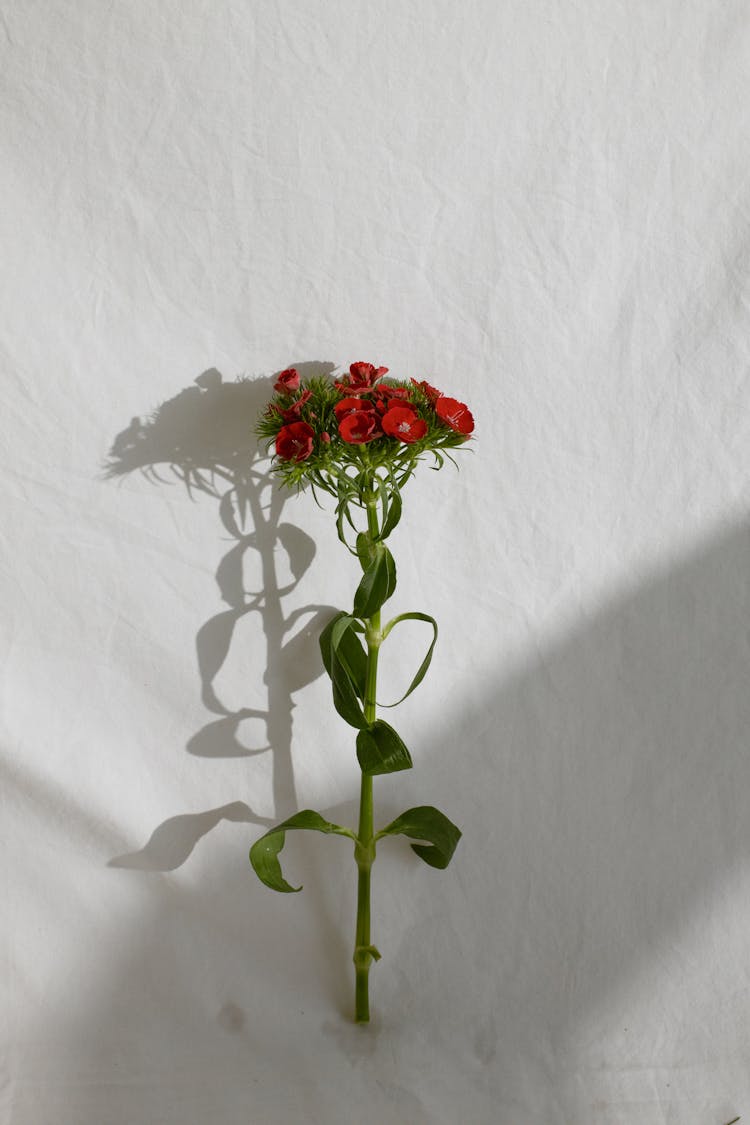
column 402, row 404
column 454, row 414
column 295, row 441
column 383, row 404
column 349, row 406
column 402, row 422
column 366, row 373
column 287, row 381
column 362, row 377
column 359, row 427
column 292, row 413
column 432, row 393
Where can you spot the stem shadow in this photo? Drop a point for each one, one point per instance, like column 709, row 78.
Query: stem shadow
column 203, row 438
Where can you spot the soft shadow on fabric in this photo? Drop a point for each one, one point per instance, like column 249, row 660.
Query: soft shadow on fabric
column 204, row 438
column 603, row 813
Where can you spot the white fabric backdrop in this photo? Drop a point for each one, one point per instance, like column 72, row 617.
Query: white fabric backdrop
column 542, row 207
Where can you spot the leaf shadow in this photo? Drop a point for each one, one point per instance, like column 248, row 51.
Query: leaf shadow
column 172, row 842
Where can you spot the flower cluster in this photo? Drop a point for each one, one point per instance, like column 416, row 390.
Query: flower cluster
column 319, row 428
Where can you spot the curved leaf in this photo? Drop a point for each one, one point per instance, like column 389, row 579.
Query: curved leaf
column 377, row 584
column 342, row 512
column 297, row 663
column 366, row 549
column 426, row 823
column 422, row 670
column 265, row 851
column 345, row 662
column 381, row 750
column 348, row 670
column 348, row 649
column 382, row 489
column 393, row 516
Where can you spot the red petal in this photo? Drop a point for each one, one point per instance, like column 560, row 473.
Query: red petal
column 455, row 414
column 359, row 427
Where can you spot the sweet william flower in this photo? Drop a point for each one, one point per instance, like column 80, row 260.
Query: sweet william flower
column 350, row 406
column 359, row 427
column 294, row 441
column 432, row 393
column 362, row 377
column 403, row 423
column 389, row 398
column 366, row 372
column 455, row 414
column 349, row 435
column 293, row 412
column 287, row 381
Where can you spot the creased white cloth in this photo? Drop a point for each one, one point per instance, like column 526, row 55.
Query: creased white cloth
column 542, row 207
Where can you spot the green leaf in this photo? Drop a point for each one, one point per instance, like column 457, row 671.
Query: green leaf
column 342, row 513
column 382, row 487
column 381, row 750
column 422, row 670
column 377, row 585
column 349, row 650
column 366, row 549
column 426, row 823
column 325, row 641
column 393, row 516
column 345, row 662
column 265, row 851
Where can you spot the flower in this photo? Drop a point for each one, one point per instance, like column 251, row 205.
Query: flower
column 362, row 377
column 359, row 427
column 402, row 422
column 293, row 412
column 287, row 381
column 455, row 414
column 294, row 442
column 432, row 393
column 386, row 397
column 336, row 434
column 349, row 406
column 366, row 372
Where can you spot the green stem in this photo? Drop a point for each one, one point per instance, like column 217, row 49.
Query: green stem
column 364, row 952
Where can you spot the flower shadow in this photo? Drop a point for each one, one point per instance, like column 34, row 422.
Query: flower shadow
column 203, row 437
